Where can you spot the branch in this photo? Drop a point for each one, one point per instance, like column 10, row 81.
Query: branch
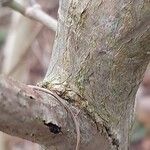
column 35, row 12
column 38, row 117
column 61, row 102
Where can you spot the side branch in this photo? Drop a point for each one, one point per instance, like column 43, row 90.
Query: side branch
column 35, row 12
column 38, row 117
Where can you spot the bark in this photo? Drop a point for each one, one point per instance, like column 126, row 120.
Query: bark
column 100, row 54
column 38, row 117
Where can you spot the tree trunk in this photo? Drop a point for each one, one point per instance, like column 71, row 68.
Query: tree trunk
column 100, row 54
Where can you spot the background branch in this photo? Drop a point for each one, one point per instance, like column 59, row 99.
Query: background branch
column 35, row 12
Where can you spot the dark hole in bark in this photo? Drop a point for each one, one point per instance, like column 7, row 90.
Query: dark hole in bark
column 31, row 97
column 53, row 127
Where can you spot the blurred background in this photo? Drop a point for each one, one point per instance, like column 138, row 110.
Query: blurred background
column 25, row 50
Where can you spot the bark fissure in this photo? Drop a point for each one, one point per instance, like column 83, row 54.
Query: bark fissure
column 112, row 137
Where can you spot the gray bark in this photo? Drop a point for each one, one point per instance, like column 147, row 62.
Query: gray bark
column 100, row 54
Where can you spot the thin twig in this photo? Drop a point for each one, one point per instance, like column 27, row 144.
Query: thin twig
column 66, row 107
column 34, row 12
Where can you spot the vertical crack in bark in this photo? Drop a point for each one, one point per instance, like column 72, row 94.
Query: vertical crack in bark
column 113, row 139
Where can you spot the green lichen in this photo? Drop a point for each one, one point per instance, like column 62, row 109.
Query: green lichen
column 80, row 79
column 2, row 37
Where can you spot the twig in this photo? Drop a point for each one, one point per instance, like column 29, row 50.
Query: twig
column 66, row 107
column 34, row 12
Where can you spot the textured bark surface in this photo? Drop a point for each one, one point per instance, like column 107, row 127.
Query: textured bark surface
column 23, row 112
column 101, row 52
